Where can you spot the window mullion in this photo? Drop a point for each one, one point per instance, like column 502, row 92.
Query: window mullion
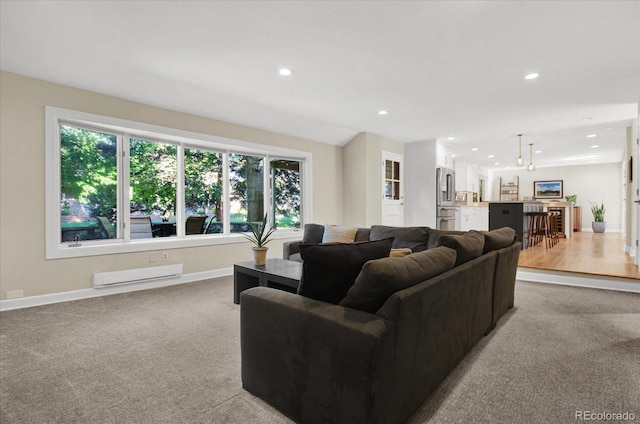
column 226, row 194
column 180, row 195
column 123, row 190
column 267, row 191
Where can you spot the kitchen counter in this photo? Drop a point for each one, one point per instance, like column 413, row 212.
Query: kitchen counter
column 473, row 204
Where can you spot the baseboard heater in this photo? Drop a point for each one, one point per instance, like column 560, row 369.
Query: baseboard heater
column 139, row 275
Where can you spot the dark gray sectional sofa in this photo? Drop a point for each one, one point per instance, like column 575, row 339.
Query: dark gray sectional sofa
column 319, row 362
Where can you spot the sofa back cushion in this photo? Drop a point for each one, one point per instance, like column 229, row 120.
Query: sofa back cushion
column 380, row 278
column 434, row 236
column 415, row 238
column 498, row 239
column 329, row 270
column 468, row 246
column 313, row 233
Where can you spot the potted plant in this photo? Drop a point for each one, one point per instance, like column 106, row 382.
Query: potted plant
column 572, row 199
column 260, row 237
column 598, row 223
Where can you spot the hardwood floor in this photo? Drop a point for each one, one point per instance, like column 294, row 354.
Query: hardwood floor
column 585, row 253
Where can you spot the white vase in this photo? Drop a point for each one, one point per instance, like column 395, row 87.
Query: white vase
column 260, row 255
column 598, row 227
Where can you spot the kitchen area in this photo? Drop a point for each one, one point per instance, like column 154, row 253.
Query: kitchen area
column 464, row 194
column 471, row 196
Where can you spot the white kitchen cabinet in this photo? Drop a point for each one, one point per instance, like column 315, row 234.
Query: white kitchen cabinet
column 467, row 176
column 474, row 218
column 471, row 177
column 482, row 218
column 444, row 156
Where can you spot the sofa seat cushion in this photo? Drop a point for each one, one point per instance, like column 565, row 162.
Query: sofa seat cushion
column 414, row 238
column 381, row 278
column 498, row 239
column 329, row 270
column 295, row 257
column 468, row 246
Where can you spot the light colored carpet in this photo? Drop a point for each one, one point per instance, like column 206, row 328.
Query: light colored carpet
column 172, row 355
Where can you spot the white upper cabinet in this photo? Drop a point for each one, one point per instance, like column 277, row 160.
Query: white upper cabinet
column 444, row 156
column 467, row 175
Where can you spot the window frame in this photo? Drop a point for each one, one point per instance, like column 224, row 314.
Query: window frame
column 56, row 249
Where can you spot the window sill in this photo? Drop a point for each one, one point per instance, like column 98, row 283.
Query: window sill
column 65, row 250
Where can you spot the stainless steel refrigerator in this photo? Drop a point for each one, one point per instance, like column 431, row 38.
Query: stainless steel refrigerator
column 445, row 199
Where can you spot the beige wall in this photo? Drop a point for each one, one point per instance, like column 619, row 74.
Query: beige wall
column 595, row 183
column 362, row 164
column 22, row 186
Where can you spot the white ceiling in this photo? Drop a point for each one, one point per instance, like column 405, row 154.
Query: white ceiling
column 441, row 69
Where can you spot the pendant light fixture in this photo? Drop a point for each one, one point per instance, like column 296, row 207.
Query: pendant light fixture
column 520, row 159
column 531, row 166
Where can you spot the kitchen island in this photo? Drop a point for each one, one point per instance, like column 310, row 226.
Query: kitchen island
column 513, row 214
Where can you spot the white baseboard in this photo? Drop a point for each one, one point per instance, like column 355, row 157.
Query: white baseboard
column 45, row 299
column 608, row 230
column 578, row 280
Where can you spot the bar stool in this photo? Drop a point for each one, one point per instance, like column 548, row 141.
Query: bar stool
column 539, row 227
column 555, row 231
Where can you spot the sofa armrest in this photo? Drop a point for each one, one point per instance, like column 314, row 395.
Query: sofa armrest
column 290, row 248
column 310, row 359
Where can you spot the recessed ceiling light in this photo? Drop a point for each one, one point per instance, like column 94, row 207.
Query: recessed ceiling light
column 591, row 135
column 592, row 161
column 587, row 118
column 538, row 151
column 490, row 156
column 453, row 155
column 383, row 112
column 608, row 129
column 497, row 163
column 531, row 76
column 285, row 72
column 475, row 149
column 451, row 138
column 595, row 146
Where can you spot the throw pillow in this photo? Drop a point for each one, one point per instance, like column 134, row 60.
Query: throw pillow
column 329, row 270
column 338, row 234
column 498, row 239
column 414, row 238
column 398, row 253
column 468, row 246
column 381, row 278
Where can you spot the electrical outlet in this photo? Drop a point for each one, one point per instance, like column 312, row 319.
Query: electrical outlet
column 165, row 256
column 14, row 294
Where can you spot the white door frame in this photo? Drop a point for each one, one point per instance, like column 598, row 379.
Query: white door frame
column 388, row 204
column 635, row 195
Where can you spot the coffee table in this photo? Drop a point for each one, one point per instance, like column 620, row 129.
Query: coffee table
column 276, row 273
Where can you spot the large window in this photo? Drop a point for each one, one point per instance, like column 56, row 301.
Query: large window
column 153, row 177
column 121, row 187
column 285, row 193
column 88, row 184
column 203, row 191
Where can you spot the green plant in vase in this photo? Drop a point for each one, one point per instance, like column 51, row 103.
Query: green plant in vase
column 260, row 236
column 598, row 223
